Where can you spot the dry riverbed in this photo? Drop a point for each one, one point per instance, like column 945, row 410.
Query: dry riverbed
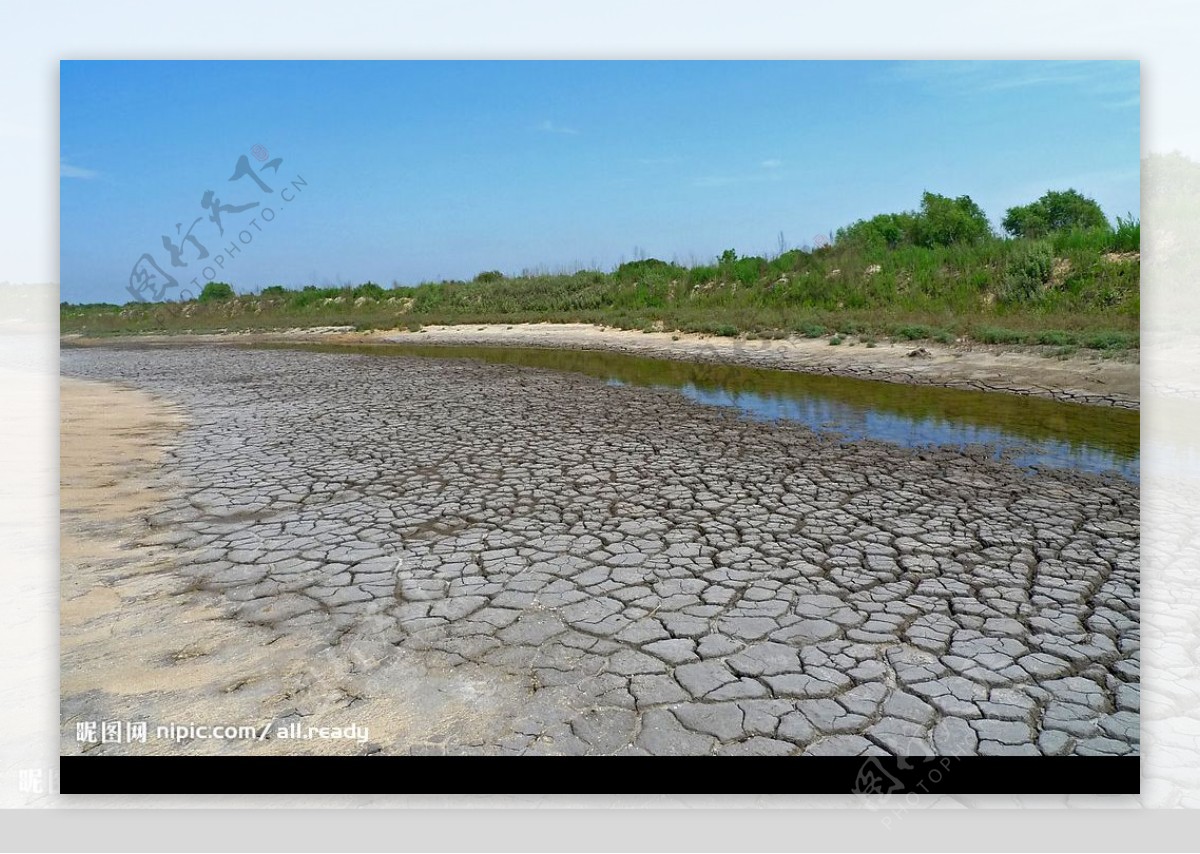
column 142, row 641
column 477, row 558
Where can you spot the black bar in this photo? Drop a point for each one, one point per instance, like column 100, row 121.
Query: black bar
column 1027, row 775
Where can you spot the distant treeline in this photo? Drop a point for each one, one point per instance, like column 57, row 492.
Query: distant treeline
column 1062, row 276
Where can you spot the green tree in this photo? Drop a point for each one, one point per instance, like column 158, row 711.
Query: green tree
column 1055, row 211
column 216, row 291
column 647, row 268
column 944, row 221
column 884, row 230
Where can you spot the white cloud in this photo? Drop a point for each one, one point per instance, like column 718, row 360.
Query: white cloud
column 771, row 163
column 66, row 170
column 549, row 126
column 1135, row 101
column 715, row 181
column 1097, row 78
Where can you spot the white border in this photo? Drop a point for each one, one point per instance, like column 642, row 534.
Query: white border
column 1160, row 33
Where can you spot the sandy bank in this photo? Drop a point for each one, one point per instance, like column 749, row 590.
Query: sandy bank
column 1080, row 378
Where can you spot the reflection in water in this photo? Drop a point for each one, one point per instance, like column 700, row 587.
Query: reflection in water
column 1027, row 431
column 832, row 416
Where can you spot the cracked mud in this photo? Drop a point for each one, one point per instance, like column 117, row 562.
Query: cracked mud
column 601, row 570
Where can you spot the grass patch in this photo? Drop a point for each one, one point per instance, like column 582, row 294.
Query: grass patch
column 1110, row 341
column 911, row 332
column 995, row 335
column 1055, row 338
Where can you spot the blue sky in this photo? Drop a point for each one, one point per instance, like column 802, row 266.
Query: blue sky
column 416, row 171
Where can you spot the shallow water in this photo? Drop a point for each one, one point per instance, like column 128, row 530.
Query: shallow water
column 1028, row 431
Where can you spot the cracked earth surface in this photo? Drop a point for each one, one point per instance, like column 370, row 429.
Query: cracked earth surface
column 617, row 570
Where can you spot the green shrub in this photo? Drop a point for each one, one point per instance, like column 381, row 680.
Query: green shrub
column 1082, row 241
column 1055, row 338
column 370, row 290
column 885, row 231
column 1055, row 211
column 748, row 271
column 993, row 335
column 648, row 269
column 1110, row 340
column 944, row 221
column 702, row 275
column 311, row 295
column 489, row 276
column 912, row 332
column 789, row 261
column 214, row 291
column 1128, row 235
column 1028, row 269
